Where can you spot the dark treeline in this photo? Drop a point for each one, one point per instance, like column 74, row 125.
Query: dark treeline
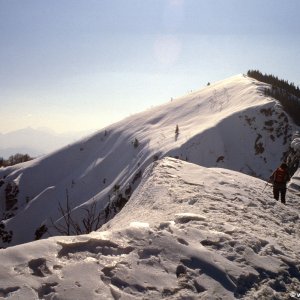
column 14, row 159
column 285, row 92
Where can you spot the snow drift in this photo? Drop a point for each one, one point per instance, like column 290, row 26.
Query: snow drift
column 186, row 232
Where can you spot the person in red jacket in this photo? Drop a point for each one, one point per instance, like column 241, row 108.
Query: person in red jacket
column 280, row 177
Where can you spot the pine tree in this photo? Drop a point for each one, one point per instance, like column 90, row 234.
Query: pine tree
column 176, row 132
column 286, row 93
column 136, row 143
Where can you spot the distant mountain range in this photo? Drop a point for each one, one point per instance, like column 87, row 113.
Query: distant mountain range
column 35, row 142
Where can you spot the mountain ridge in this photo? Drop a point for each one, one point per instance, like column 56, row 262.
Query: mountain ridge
column 229, row 124
column 187, row 232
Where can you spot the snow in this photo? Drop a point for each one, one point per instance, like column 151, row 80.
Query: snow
column 229, row 124
column 295, row 144
column 187, row 217
column 202, row 229
column 187, row 232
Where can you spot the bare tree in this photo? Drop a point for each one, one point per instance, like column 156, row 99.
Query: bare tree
column 67, row 225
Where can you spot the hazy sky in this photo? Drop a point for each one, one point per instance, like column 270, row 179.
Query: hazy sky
column 80, row 64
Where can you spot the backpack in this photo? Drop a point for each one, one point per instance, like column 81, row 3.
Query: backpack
column 280, row 175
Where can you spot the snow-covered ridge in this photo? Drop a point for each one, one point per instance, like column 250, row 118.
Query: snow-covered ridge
column 186, row 232
column 295, row 157
column 229, row 124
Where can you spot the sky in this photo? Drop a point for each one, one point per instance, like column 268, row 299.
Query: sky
column 74, row 65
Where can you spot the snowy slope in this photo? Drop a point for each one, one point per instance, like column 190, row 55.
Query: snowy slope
column 228, row 124
column 188, row 232
column 295, row 157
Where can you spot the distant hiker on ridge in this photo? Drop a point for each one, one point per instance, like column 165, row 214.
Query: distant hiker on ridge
column 279, row 178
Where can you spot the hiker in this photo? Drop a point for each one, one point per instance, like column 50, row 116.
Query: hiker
column 279, row 178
